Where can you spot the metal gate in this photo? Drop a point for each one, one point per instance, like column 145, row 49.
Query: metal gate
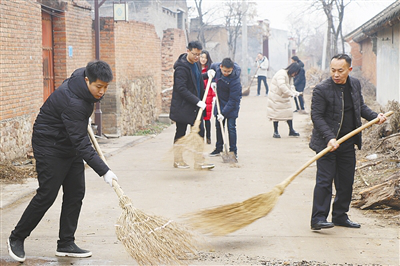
column 48, row 63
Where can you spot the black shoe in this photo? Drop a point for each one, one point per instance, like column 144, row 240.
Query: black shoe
column 321, row 225
column 276, row 135
column 294, row 134
column 347, row 223
column 215, row 153
column 16, row 249
column 208, row 141
column 73, row 251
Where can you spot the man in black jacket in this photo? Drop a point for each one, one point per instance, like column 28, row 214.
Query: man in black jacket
column 186, row 102
column 336, row 109
column 60, row 144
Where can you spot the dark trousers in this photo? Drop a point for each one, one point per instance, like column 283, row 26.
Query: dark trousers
column 181, row 130
column 301, row 101
column 264, row 80
column 53, row 173
column 231, row 132
column 207, row 124
column 337, row 167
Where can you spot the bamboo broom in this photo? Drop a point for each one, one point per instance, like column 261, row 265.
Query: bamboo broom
column 193, row 142
column 226, row 219
column 150, row 240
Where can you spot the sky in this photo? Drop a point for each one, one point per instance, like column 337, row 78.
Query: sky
column 278, row 11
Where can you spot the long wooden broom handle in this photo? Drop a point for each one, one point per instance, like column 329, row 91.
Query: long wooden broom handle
column 223, row 132
column 288, row 180
column 96, row 145
column 204, row 99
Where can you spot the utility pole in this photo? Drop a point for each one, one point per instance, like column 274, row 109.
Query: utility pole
column 97, row 112
column 245, row 73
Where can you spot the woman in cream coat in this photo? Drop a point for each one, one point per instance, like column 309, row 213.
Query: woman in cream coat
column 279, row 106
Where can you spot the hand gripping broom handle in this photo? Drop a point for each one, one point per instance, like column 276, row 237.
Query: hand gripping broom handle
column 115, row 184
column 288, row 180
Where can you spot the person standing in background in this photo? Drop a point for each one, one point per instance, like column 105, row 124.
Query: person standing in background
column 299, row 84
column 279, row 107
column 262, row 70
column 205, row 63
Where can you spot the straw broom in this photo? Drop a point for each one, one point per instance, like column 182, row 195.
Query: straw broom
column 150, row 240
column 229, row 218
column 193, row 142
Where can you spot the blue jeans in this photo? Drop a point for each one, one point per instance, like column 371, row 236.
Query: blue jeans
column 264, row 80
column 231, row 132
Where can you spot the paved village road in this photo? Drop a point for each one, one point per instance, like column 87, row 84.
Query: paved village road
column 146, row 175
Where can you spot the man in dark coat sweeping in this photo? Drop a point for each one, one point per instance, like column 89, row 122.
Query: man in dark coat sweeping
column 60, row 144
column 229, row 93
column 187, row 94
column 336, row 110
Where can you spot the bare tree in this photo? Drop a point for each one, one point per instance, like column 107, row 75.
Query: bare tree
column 233, row 15
column 300, row 31
column 204, row 17
column 334, row 12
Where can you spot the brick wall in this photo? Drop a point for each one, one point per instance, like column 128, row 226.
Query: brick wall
column 133, row 49
column 72, row 28
column 21, row 74
column 173, row 45
column 21, row 68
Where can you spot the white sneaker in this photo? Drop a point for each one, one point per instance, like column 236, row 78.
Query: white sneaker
column 181, row 165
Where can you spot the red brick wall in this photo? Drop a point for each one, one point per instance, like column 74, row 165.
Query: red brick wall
column 72, row 28
column 173, row 45
column 134, row 100
column 21, row 74
column 364, row 59
column 21, row 70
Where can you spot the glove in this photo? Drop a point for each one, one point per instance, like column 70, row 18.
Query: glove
column 211, row 73
column 296, row 94
column 214, row 86
column 220, row 117
column 109, row 176
column 201, row 104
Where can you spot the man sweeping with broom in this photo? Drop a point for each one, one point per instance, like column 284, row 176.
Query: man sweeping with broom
column 188, row 91
column 336, row 110
column 60, row 144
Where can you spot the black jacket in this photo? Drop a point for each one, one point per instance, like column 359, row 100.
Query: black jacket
column 327, row 112
column 229, row 91
column 300, row 79
column 60, row 128
column 184, row 94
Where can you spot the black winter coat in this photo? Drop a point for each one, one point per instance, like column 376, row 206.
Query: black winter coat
column 300, row 79
column 184, row 94
column 229, row 90
column 327, row 112
column 60, row 128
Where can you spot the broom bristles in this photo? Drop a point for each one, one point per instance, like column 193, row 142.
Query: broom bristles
column 153, row 240
column 229, row 218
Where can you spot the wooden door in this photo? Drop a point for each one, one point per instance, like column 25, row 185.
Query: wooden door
column 48, row 61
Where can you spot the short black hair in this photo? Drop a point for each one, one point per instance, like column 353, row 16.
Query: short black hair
column 227, row 62
column 295, row 58
column 293, row 68
column 194, row 45
column 343, row 56
column 98, row 69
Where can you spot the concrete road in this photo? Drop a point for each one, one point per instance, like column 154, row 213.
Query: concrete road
column 146, row 175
